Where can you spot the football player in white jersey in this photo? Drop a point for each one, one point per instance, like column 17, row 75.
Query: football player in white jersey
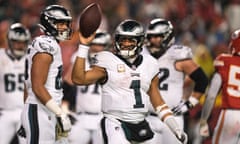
column 128, row 79
column 88, row 99
column 42, row 118
column 12, row 81
column 174, row 64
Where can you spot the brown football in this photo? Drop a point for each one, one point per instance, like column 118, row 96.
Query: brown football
column 90, row 19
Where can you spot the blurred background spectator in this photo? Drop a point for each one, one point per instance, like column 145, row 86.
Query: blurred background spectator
column 207, row 22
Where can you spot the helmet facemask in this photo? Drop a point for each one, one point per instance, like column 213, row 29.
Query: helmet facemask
column 18, row 38
column 53, row 15
column 129, row 37
column 154, row 45
column 21, row 50
column 64, row 34
column 164, row 30
column 128, row 47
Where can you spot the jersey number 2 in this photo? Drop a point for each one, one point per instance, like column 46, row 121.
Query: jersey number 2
column 163, row 75
column 135, row 85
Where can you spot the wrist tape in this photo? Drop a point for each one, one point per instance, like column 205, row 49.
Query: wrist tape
column 193, row 101
column 82, row 51
column 54, row 107
column 163, row 111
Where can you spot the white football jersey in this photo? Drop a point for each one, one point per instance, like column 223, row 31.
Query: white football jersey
column 46, row 44
column 125, row 91
column 88, row 96
column 12, row 80
column 171, row 80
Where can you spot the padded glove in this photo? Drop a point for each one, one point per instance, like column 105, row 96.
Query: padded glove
column 64, row 122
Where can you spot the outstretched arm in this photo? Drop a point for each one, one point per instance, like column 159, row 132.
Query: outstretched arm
column 79, row 75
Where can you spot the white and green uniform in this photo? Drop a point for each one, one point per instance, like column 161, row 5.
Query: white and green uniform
column 124, row 94
column 38, row 121
column 171, row 88
column 88, row 112
column 172, row 80
column 11, row 94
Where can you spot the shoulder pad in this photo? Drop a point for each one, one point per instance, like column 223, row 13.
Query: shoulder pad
column 219, row 61
column 45, row 44
column 102, row 57
column 150, row 57
column 180, row 52
column 223, row 55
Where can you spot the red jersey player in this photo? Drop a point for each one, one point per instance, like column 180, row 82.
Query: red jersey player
column 226, row 79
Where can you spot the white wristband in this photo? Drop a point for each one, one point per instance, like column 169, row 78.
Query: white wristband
column 194, row 101
column 82, row 51
column 54, row 107
column 160, row 108
column 164, row 113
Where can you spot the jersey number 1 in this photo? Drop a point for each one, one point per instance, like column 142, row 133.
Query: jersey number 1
column 135, row 85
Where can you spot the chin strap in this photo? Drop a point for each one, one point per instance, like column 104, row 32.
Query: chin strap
column 131, row 59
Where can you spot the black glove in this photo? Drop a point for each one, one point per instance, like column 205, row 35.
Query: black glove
column 72, row 118
column 64, row 122
column 63, row 126
column 182, row 137
column 182, row 108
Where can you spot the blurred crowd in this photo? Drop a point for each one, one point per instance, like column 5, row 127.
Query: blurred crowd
column 201, row 24
column 204, row 25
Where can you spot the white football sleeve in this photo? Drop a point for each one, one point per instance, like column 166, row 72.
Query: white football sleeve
column 212, row 93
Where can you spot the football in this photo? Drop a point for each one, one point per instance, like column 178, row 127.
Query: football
column 90, row 19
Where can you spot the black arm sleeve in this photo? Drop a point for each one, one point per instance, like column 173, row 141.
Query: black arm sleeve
column 200, row 79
